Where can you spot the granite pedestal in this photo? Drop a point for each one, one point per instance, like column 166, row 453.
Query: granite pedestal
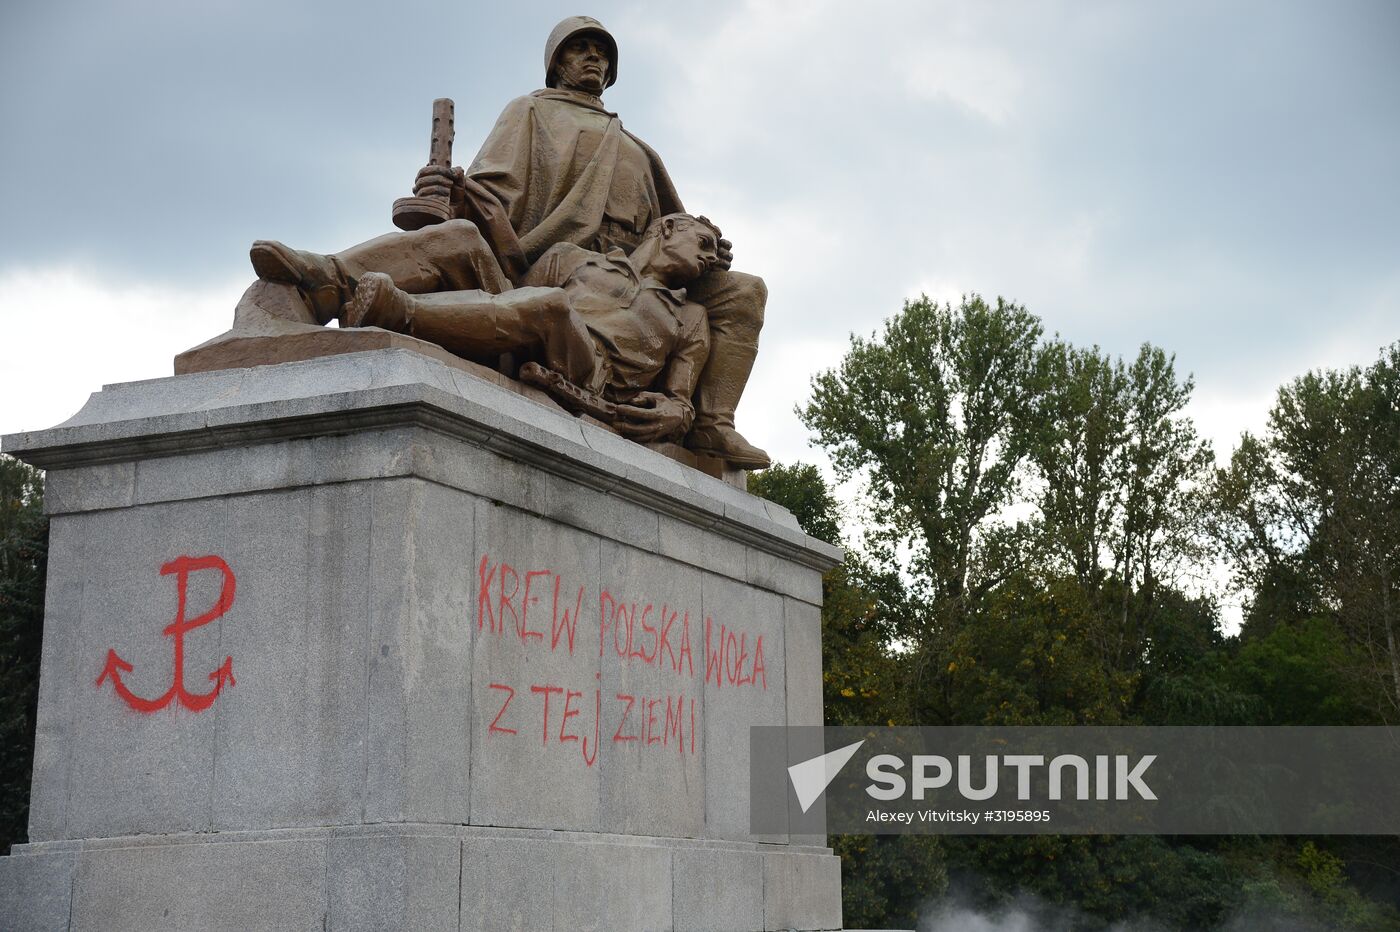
column 365, row 642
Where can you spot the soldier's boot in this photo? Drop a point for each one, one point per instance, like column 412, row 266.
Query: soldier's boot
column 721, row 385
column 320, row 279
column 377, row 302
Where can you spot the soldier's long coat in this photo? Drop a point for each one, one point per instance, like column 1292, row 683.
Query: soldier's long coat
column 559, row 168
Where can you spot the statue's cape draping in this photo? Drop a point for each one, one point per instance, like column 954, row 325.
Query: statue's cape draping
column 528, row 188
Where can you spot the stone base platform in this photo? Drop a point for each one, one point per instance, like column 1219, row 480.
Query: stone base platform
column 367, row 642
column 420, row 877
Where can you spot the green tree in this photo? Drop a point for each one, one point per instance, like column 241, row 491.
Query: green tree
column 1033, row 516
column 1083, row 419
column 1123, row 501
column 1293, row 670
column 23, row 558
column 935, row 414
column 1310, row 514
column 801, row 489
column 1031, row 658
column 1161, row 531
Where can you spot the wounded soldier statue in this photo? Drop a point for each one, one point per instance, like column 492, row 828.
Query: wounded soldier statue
column 615, row 331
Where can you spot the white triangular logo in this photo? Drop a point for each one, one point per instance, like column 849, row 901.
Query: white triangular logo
column 811, row 777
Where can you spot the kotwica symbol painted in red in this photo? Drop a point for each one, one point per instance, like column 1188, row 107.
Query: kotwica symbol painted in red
column 182, row 567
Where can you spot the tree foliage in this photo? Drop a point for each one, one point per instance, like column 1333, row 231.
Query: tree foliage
column 934, row 415
column 1034, row 523
column 23, row 557
column 1083, row 419
column 1310, row 513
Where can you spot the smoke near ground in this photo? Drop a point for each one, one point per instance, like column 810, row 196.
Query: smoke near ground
column 1028, row 913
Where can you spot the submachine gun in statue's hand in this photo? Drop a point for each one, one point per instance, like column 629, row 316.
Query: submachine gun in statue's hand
column 650, row 416
column 570, row 396
column 437, row 187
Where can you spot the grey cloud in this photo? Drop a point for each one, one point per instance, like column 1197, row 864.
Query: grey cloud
column 157, row 139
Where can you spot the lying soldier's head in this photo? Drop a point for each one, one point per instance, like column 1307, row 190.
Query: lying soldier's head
column 678, row 248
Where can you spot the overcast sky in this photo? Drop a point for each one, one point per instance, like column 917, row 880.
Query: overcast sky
column 1221, row 179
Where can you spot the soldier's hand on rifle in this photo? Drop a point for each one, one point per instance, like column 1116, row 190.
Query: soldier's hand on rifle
column 652, row 416
column 441, row 181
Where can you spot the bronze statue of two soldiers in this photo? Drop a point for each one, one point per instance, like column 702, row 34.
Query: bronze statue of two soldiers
column 565, row 245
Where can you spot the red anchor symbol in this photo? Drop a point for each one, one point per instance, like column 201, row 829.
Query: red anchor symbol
column 195, row 702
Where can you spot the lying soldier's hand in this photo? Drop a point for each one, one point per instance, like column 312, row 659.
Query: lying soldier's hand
column 724, row 250
column 441, row 181
column 651, row 416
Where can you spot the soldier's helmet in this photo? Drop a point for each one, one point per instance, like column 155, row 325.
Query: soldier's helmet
column 566, row 30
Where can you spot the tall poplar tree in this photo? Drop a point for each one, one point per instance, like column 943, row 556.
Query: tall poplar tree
column 934, row 414
column 1311, row 513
